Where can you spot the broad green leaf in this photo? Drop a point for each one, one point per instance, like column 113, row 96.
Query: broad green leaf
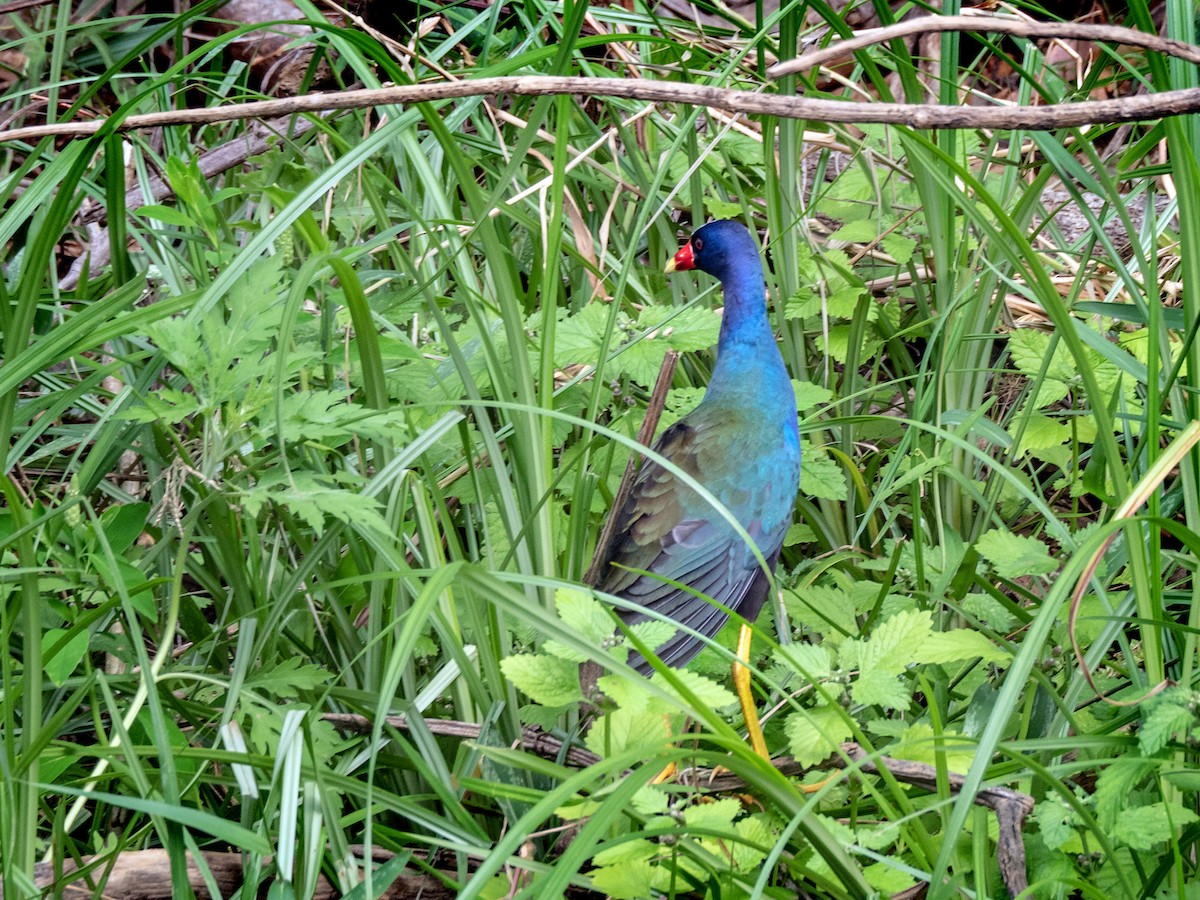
column 889, row 878
column 820, row 476
column 809, row 395
column 893, row 646
column 812, row 660
column 814, row 734
column 1029, row 348
column 1114, row 785
column 1056, row 822
column 630, row 880
column 1144, row 826
column 651, row 799
column 898, row 247
column 577, row 338
column 122, row 524
column 755, row 833
column 288, row 677
column 861, row 231
column 721, row 209
column 715, row 816
column 918, row 743
column 167, row 214
column 828, row 611
column 689, row 328
column 1015, row 555
column 61, row 665
column 1166, row 719
column 959, row 644
column 624, row 728
column 584, row 614
column 799, row 533
column 708, row 692
column 653, row 633
column 547, row 680
column 878, row 688
column 1040, row 432
column 626, row 851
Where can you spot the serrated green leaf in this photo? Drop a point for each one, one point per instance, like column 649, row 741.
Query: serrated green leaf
column 577, row 338
column 629, row 880
column 1056, row 822
column 1166, row 719
column 799, row 533
column 642, row 360
column 288, row 678
column 1028, row 348
column 822, row 478
column 547, row 680
column 876, row 688
column 627, row 727
column 892, row 647
column 687, row 329
column 1039, row 432
column 827, row 610
column 809, row 395
column 1015, row 555
column 583, row 614
column 722, row 209
column 814, row 734
column 650, row 800
column 715, row 816
column 959, row 644
column 1144, row 826
column 755, row 835
column 861, row 231
column 708, row 692
column 1114, row 785
column 899, row 247
column 626, row 851
column 653, row 633
column 814, row 661
column 888, row 878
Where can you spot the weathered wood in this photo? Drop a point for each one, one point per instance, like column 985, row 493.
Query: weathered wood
column 146, row 875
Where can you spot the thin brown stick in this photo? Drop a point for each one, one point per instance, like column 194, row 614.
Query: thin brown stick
column 1011, row 807
column 1029, row 118
column 146, row 875
column 658, row 399
column 1115, row 34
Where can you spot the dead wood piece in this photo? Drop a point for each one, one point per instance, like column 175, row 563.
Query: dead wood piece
column 255, row 141
column 532, row 739
column 146, row 875
column 1011, row 807
column 279, row 54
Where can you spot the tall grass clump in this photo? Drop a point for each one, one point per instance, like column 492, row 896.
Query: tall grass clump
column 306, row 460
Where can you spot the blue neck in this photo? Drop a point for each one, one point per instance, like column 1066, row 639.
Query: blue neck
column 749, row 368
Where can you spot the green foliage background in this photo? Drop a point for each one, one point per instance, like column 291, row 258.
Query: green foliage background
column 335, row 433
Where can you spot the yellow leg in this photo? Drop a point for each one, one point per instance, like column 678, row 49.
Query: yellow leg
column 741, row 683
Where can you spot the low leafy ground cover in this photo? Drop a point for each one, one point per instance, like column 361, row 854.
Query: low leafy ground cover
column 332, row 433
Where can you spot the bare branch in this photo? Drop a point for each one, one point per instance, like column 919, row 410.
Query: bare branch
column 1121, row 109
column 1115, row 34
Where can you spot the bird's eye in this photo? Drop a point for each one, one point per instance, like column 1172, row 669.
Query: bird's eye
column 697, row 244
